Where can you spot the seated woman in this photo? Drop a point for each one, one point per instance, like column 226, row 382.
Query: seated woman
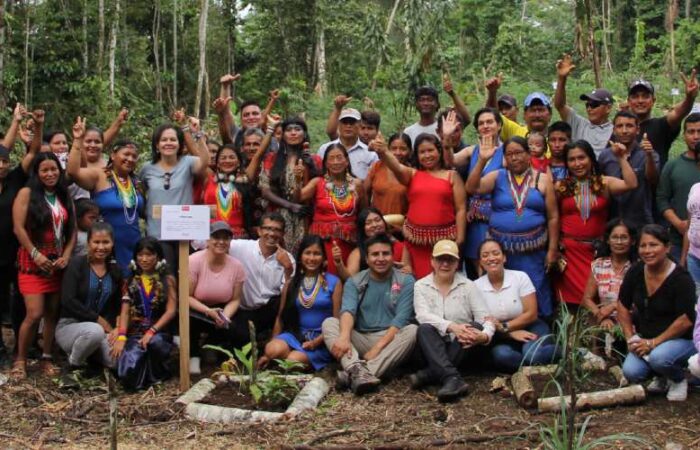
column 90, row 303
column 522, row 338
column 310, row 297
column 452, row 315
column 656, row 311
column 148, row 305
column 370, row 222
column 607, row 273
column 216, row 283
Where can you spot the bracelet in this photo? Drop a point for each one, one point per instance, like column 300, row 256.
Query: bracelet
column 197, row 136
column 153, row 329
column 185, row 129
column 270, row 129
column 121, row 338
column 34, row 253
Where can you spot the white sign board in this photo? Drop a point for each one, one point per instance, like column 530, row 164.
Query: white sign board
column 184, row 222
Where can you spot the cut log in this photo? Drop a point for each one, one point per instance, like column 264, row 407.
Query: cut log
column 622, row 396
column 616, row 372
column 530, row 371
column 523, row 389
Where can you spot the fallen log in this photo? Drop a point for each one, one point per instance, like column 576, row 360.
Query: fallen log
column 616, row 372
column 523, row 390
column 613, row 397
column 530, row 371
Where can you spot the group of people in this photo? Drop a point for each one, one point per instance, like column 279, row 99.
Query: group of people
column 417, row 250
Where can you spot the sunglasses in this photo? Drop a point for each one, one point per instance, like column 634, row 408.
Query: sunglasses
column 166, row 180
column 593, row 104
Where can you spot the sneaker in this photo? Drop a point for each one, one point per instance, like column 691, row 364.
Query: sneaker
column 419, row 379
column 677, row 391
column 361, row 380
column 195, row 366
column 658, row 385
column 452, row 389
column 342, row 381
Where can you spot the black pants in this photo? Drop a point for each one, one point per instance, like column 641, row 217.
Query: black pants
column 263, row 318
column 11, row 300
column 223, row 337
column 442, row 355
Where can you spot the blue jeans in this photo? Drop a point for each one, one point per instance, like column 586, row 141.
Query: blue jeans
column 694, row 269
column 668, row 360
column 508, row 354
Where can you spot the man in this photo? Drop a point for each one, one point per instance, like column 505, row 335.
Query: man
column 373, row 333
column 369, row 121
column 634, row 206
column 558, row 136
column 508, row 107
column 661, row 131
column 427, row 104
column 597, row 128
column 677, row 177
column 361, row 159
column 252, row 140
column 267, row 268
column 452, row 314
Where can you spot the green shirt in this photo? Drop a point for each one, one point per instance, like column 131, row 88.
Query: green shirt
column 383, row 305
column 677, row 177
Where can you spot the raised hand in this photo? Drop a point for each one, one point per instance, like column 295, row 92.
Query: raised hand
column 274, row 94
column 691, row 84
column 450, row 126
column 618, row 149
column 273, row 120
column 19, row 113
column 447, row 83
column 494, row 84
column 646, row 145
column 341, row 100
column 378, row 144
column 337, row 253
column 123, row 115
column 194, row 124
column 221, row 104
column 79, row 128
column 565, row 66
column 38, row 115
column 487, row 147
column 179, row 116
column 299, row 170
column 229, row 78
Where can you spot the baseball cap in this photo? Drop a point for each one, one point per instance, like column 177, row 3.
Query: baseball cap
column 598, row 95
column 350, row 113
column 640, row 84
column 220, row 225
column 508, row 100
column 445, row 247
column 536, row 96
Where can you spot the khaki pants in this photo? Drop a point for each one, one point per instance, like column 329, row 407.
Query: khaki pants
column 398, row 350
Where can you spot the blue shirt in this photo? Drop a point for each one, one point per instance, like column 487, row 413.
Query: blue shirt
column 383, row 305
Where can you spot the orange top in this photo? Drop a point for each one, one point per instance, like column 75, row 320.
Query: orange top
column 388, row 195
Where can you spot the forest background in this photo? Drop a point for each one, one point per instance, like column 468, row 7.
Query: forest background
column 92, row 57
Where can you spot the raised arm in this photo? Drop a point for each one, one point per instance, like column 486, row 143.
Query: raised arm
column 564, row 68
column 492, row 85
column 85, row 177
column 225, row 118
column 305, row 193
column 11, row 134
column 629, row 180
column 274, row 95
column 403, row 173
column 332, row 124
column 456, row 99
column 38, row 116
column 682, row 109
column 476, row 184
column 651, row 166
column 450, row 142
column 197, row 145
column 254, row 164
column 113, row 131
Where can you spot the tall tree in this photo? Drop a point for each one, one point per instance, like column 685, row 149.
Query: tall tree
column 156, row 49
column 101, row 36
column 113, row 47
column 204, row 11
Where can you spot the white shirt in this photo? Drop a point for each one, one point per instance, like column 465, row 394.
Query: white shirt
column 361, row 159
column 506, row 303
column 464, row 303
column 416, row 129
column 264, row 277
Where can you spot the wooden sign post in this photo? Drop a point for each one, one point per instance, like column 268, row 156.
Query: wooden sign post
column 184, row 223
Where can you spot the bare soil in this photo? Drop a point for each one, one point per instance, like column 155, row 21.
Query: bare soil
column 233, row 395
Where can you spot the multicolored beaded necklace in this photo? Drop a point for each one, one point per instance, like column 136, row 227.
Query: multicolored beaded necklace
column 308, row 291
column 342, row 198
column 584, row 199
column 127, row 195
column 57, row 219
column 519, row 190
column 228, row 199
column 148, row 292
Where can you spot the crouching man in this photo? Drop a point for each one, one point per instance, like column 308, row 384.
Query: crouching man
column 373, row 334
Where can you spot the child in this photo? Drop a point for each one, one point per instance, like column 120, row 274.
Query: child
column 558, row 136
column 148, row 306
column 86, row 213
column 537, row 144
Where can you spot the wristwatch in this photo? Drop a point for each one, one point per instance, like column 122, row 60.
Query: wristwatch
column 504, row 327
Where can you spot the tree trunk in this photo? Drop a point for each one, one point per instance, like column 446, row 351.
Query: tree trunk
column 175, row 53
column 113, row 47
column 671, row 15
column 3, row 7
column 592, row 45
column 85, row 38
column 101, row 36
column 605, row 21
column 322, row 83
column 204, row 10
column 523, row 390
column 687, row 9
column 389, row 25
column 26, row 57
column 622, row 396
column 155, row 29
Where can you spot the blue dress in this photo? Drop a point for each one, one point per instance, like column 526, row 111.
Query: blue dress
column 523, row 237
column 479, row 206
column 124, row 221
column 310, row 320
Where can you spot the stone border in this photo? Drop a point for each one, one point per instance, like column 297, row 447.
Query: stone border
column 308, row 398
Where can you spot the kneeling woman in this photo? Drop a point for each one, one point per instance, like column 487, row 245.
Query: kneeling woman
column 311, row 297
column 148, row 306
column 90, row 301
column 522, row 338
column 656, row 310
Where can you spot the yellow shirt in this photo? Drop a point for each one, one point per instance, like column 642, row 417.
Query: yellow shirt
column 511, row 128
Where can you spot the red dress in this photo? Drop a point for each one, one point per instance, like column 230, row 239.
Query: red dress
column 228, row 205
column 335, row 216
column 577, row 238
column 430, row 218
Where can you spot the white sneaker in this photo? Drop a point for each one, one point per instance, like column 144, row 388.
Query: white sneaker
column 658, row 385
column 195, row 366
column 677, row 391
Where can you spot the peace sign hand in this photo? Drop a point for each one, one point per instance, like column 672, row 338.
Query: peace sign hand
column 691, row 84
column 79, row 128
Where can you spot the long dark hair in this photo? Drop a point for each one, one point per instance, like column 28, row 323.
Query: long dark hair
column 290, row 314
column 155, row 139
column 362, row 236
column 603, row 248
column 38, row 213
column 111, row 262
column 587, row 149
column 246, row 189
column 280, row 164
column 337, row 146
column 423, row 137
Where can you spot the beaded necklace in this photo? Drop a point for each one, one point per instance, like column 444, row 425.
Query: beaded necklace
column 57, row 219
column 308, row 291
column 342, row 198
column 227, row 199
column 146, row 286
column 126, row 191
column 584, row 199
column 519, row 191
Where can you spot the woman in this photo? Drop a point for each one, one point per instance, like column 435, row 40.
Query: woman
column 310, row 297
column 278, row 182
column 44, row 223
column 584, row 201
column 521, row 339
column 381, row 186
column 436, row 199
column 370, row 222
column 58, row 145
column 149, row 304
column 524, row 215
column 216, row 284
column 95, row 140
column 337, row 197
column 488, row 124
column 230, row 189
column 607, row 272
column 90, row 303
column 691, row 241
column 115, row 189
column 656, row 311
column 169, row 177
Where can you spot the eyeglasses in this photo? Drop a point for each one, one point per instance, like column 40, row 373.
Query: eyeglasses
column 514, row 154
column 166, row 180
column 593, row 104
column 619, row 239
column 272, row 229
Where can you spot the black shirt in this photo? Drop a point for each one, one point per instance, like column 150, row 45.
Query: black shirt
column 74, row 293
column 660, row 134
column 653, row 314
column 11, row 185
